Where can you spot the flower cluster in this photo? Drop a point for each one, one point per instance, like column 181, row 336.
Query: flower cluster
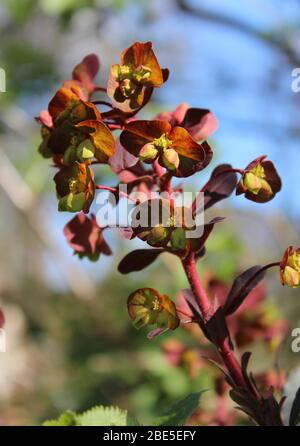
column 146, row 155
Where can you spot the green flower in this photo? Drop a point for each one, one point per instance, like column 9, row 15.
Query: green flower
column 75, row 188
column 290, row 267
column 146, row 306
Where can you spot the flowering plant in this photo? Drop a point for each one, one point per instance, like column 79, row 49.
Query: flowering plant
column 146, row 155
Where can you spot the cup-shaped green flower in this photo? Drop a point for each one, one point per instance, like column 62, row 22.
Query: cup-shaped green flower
column 97, row 140
column 75, row 188
column 59, row 133
column 91, row 139
column 146, row 306
column 153, row 221
column 260, row 181
column 290, row 267
column 173, row 147
column 162, row 225
column 138, row 70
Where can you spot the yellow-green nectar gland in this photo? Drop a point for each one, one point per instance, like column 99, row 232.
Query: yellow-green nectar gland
column 130, row 78
column 170, row 157
column 162, row 143
column 73, row 186
column 141, row 74
column 156, row 305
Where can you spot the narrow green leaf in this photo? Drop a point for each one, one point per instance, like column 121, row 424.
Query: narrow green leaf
column 178, row 414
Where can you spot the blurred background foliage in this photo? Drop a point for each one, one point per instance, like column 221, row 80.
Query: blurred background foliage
column 69, row 340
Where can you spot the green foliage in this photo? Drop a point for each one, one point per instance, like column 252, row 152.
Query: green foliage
column 105, row 416
column 68, row 418
column 97, row 416
column 177, row 415
column 20, row 11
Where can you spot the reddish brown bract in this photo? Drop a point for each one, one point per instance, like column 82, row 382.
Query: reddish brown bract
column 165, row 139
column 85, row 237
column 260, row 181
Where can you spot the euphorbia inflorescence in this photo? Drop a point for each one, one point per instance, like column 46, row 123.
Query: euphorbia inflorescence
column 146, row 155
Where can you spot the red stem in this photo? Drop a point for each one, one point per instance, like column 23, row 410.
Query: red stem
column 224, row 350
column 189, row 265
column 158, row 169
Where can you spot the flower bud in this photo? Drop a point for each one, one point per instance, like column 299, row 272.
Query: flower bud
column 178, row 239
column 252, row 183
column 156, row 236
column 148, row 153
column 170, row 159
column 85, row 150
column 75, row 188
column 290, row 277
column 260, row 181
column 72, row 202
column 290, row 268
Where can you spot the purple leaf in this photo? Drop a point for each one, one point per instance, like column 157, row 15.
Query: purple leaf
column 197, row 244
column 189, row 297
column 138, row 260
column 214, row 325
column 219, row 186
column 200, row 123
column 121, row 160
column 241, row 287
column 87, row 70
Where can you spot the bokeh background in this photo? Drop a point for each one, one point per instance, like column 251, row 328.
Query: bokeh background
column 70, row 343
